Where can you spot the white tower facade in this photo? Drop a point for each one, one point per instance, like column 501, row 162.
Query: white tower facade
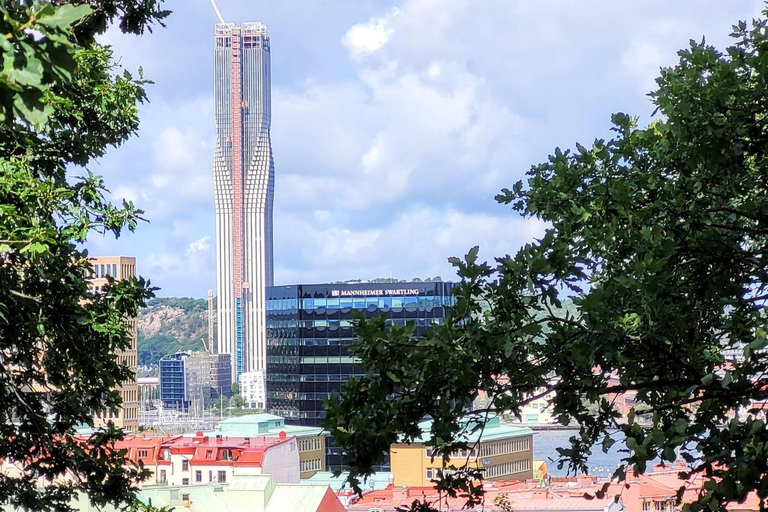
column 243, row 182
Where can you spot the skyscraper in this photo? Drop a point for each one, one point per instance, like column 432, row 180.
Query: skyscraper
column 243, row 182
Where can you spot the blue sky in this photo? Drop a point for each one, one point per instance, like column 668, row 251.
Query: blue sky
column 394, row 123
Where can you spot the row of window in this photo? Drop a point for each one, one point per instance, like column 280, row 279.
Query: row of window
column 321, row 377
column 344, row 324
column 310, row 444
column 490, row 449
column 102, row 270
column 507, row 468
column 311, row 465
column 162, row 477
column 659, row 506
column 503, row 447
column 357, row 303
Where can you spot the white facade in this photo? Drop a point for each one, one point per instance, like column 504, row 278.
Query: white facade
column 243, row 178
column 281, row 462
column 253, row 389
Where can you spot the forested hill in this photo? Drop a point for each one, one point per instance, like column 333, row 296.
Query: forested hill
column 170, row 324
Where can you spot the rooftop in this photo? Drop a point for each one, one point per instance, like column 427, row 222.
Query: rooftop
column 473, row 432
column 376, row 481
column 566, row 494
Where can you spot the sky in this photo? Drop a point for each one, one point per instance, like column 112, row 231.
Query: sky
column 394, row 124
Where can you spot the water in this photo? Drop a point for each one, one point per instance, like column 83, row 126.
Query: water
column 546, row 442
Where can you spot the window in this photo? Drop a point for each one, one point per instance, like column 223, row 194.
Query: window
column 185, row 481
column 198, row 476
column 210, row 476
column 185, row 465
column 161, row 479
column 430, row 473
column 142, row 454
column 208, row 454
column 222, row 476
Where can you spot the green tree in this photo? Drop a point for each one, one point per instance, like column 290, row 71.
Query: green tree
column 63, row 102
column 660, row 237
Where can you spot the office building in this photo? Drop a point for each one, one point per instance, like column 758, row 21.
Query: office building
column 127, row 416
column 504, row 452
column 185, row 381
column 221, row 375
column 309, row 330
column 243, row 182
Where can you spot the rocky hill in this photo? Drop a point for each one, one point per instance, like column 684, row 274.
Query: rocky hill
column 170, row 324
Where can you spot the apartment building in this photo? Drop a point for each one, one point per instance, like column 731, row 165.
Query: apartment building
column 127, row 416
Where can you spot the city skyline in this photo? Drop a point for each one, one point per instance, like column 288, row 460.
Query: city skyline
column 243, row 184
column 353, row 86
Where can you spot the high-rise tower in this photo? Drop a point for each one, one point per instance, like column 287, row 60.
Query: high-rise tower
column 243, row 183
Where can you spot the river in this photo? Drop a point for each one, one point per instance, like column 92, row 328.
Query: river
column 546, row 442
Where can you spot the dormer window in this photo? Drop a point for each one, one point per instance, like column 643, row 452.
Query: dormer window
column 143, row 454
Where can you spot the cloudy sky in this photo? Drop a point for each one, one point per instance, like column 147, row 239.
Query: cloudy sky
column 394, row 123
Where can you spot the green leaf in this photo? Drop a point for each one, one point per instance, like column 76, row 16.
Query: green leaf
column 63, row 17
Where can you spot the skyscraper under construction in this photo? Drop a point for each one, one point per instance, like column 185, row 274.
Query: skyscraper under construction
column 243, row 182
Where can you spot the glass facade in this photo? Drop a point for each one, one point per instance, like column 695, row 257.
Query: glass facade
column 309, row 330
column 172, row 386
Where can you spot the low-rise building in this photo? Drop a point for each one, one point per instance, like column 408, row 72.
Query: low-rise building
column 247, row 491
column 253, row 389
column 651, row 492
column 204, row 459
column 504, row 452
column 310, row 440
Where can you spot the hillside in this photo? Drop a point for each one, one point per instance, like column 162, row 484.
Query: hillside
column 170, row 324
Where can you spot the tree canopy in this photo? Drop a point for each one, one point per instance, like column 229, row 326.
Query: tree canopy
column 660, row 238
column 63, row 103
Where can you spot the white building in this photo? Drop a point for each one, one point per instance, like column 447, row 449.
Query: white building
column 243, row 183
column 253, row 389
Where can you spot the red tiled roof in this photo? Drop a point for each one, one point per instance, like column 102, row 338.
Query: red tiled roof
column 660, row 485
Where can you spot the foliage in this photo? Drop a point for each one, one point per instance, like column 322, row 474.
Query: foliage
column 171, row 324
column 62, row 103
column 660, row 236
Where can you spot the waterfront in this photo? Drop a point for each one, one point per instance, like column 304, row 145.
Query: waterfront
column 546, row 442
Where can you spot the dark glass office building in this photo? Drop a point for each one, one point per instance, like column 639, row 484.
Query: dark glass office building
column 309, row 330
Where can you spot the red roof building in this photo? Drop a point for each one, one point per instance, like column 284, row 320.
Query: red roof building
column 651, row 492
column 181, row 461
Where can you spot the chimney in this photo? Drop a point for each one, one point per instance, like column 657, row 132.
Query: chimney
column 585, row 480
column 400, row 494
column 218, row 438
column 540, row 493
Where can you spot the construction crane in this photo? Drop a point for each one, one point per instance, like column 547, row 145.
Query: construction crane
column 218, row 13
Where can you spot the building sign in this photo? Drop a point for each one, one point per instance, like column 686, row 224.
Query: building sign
column 362, row 293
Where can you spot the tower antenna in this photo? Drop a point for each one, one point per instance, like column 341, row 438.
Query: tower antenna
column 218, row 12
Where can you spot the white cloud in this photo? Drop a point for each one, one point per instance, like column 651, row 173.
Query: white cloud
column 413, row 244
column 200, row 245
column 390, row 145
column 365, row 38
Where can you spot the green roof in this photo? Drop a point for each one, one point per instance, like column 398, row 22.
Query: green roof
column 244, row 493
column 262, row 425
column 380, row 480
column 493, row 430
column 250, row 419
